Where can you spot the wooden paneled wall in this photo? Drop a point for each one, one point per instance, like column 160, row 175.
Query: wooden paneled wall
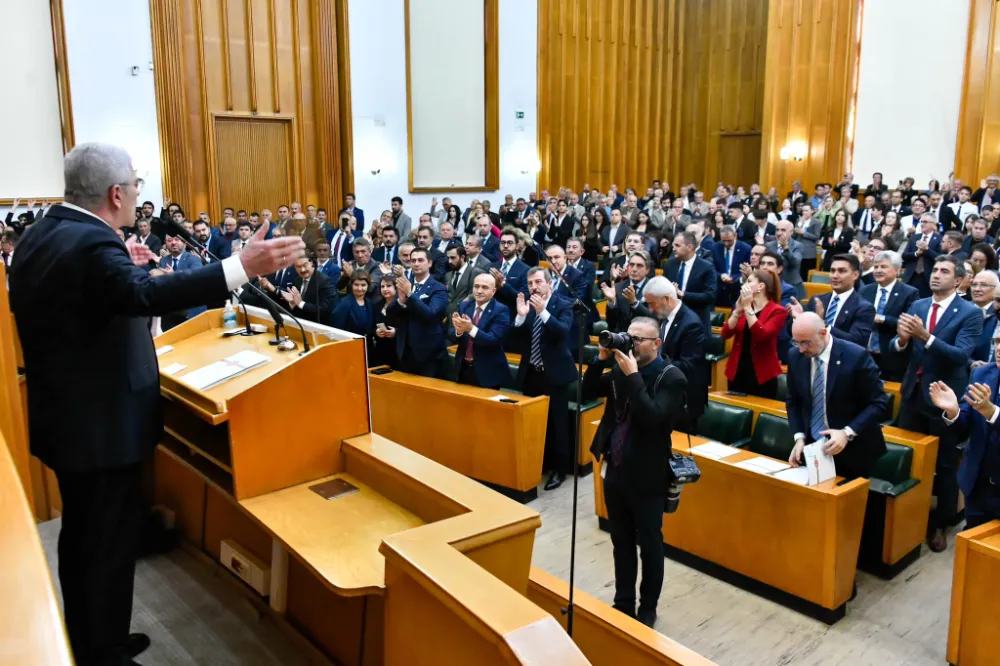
column 809, row 89
column 227, row 65
column 977, row 154
column 607, row 72
column 720, row 103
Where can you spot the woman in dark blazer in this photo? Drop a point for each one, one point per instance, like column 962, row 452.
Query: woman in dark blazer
column 757, row 319
column 385, row 326
column 837, row 237
column 356, row 313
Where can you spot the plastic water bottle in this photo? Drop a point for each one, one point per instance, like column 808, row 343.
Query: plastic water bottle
column 229, row 316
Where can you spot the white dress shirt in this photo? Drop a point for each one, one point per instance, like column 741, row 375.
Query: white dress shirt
column 942, row 308
column 232, row 267
column 825, row 357
column 688, row 266
column 841, row 299
column 544, row 316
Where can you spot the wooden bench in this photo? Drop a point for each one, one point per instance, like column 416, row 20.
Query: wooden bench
column 973, row 639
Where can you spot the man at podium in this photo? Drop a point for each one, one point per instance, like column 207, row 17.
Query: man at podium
column 82, row 308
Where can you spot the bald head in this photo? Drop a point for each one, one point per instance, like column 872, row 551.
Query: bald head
column 809, row 334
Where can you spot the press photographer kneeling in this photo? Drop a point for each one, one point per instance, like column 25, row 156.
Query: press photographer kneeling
column 644, row 395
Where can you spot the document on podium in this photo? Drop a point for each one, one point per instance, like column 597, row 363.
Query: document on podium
column 715, row 450
column 215, row 373
column 820, row 465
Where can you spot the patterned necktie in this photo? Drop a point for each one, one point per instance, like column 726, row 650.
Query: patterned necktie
column 817, row 423
column 879, row 309
column 506, row 268
column 536, row 342
column 468, row 345
column 831, row 311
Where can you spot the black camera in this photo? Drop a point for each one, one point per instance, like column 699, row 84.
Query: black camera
column 683, row 470
column 623, row 342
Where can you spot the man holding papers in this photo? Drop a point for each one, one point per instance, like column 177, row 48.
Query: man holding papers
column 82, row 306
column 834, row 392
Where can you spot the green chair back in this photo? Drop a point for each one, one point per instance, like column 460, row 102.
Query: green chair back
column 782, row 387
column 600, row 326
column 725, row 423
column 772, row 437
column 894, row 465
column 718, row 318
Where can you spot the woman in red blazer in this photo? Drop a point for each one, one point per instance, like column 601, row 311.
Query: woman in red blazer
column 753, row 366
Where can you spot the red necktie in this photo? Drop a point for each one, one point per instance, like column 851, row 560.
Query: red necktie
column 468, row 347
column 933, row 322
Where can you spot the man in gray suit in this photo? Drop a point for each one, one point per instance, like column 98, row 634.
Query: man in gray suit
column 807, row 231
column 459, row 278
column 401, row 220
column 474, row 253
column 790, row 251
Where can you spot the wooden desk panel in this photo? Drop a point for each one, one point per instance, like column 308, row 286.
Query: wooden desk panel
column 800, row 540
column 972, row 631
column 461, row 428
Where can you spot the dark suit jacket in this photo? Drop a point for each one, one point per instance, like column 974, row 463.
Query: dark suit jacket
column 346, row 249
column 489, row 363
column 741, row 255
column 420, row 322
column 618, row 240
column 982, row 435
column 910, row 257
column 379, row 253
column 439, row 264
column 701, row 287
column 855, row 317
column 220, row 246
column 969, row 242
column 556, row 355
column 854, row 397
column 153, row 242
column 645, row 457
column 349, row 316
column 491, row 248
column 457, row 294
column 283, row 279
column 620, row 316
column 327, row 299
column 684, row 346
column 984, row 349
column 589, row 270
column 956, row 335
column 359, row 215
column 95, row 396
column 899, row 301
column 516, row 282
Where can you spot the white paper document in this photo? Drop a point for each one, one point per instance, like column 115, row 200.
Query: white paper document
column 763, row 465
column 214, row 374
column 796, row 475
column 715, row 450
column 748, row 464
column 820, row 465
column 160, row 351
column 173, row 368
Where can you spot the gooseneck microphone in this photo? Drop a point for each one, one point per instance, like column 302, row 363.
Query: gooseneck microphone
column 273, row 308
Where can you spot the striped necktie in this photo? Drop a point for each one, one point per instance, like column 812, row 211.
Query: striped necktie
column 536, row 342
column 831, row 311
column 817, row 423
column 873, row 344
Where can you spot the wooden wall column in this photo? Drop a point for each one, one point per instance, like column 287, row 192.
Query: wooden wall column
column 326, row 99
column 977, row 154
column 171, row 99
column 809, row 87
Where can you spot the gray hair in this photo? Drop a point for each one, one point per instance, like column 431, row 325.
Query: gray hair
column 361, row 241
column 474, row 239
column 91, row 169
column 727, row 229
column 659, row 286
column 890, row 256
column 992, row 273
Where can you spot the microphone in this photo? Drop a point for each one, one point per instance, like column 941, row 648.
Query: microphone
column 175, row 229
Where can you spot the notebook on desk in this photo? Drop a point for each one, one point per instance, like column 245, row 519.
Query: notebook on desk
column 213, row 374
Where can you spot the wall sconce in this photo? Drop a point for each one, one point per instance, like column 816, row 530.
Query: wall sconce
column 531, row 165
column 796, row 150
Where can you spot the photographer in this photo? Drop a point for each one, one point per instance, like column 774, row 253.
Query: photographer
column 644, row 395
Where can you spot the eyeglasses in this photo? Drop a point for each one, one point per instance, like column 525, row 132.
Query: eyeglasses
column 802, row 343
column 639, row 338
column 508, row 242
column 981, row 284
column 138, row 183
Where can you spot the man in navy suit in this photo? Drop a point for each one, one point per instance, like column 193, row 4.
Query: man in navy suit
column 325, row 264
column 890, row 299
column 480, row 326
column 979, row 474
column 728, row 255
column 623, row 297
column 572, row 286
column 221, row 245
column 918, row 257
column 683, row 339
column 983, row 289
column 340, row 240
column 834, row 392
column 943, row 331
column 388, row 252
column 351, row 209
column 179, row 260
column 419, row 308
column 613, row 234
column 94, row 409
column 491, row 246
column 544, row 323
column 695, row 279
column 439, row 261
column 849, row 316
column 574, row 257
column 510, row 273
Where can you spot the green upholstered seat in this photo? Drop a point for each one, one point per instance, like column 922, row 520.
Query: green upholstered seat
column 600, row 326
column 726, row 423
column 820, row 278
column 782, row 392
column 718, row 318
column 891, row 475
column 715, row 348
column 772, row 437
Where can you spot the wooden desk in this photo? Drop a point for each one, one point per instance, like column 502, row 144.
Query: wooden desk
column 460, row 427
column 906, row 515
column 797, row 540
column 973, row 639
column 31, row 625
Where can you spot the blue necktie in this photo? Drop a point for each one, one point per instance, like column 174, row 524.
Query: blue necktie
column 680, row 276
column 536, row 341
column 817, row 423
column 506, row 268
column 729, row 261
column 831, row 312
column 879, row 309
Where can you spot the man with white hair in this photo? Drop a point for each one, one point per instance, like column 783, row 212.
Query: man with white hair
column 683, row 345
column 890, row 299
column 94, row 411
column 983, row 290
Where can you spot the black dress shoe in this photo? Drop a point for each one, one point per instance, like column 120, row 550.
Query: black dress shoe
column 136, row 645
column 555, row 480
column 647, row 616
column 938, row 542
column 624, row 610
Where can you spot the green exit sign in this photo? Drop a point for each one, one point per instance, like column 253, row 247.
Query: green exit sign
column 520, row 115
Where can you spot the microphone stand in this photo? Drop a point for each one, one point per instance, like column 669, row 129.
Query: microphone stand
column 247, row 331
column 582, row 311
column 189, row 240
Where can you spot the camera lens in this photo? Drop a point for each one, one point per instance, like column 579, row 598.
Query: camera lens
column 611, row 340
column 673, row 499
